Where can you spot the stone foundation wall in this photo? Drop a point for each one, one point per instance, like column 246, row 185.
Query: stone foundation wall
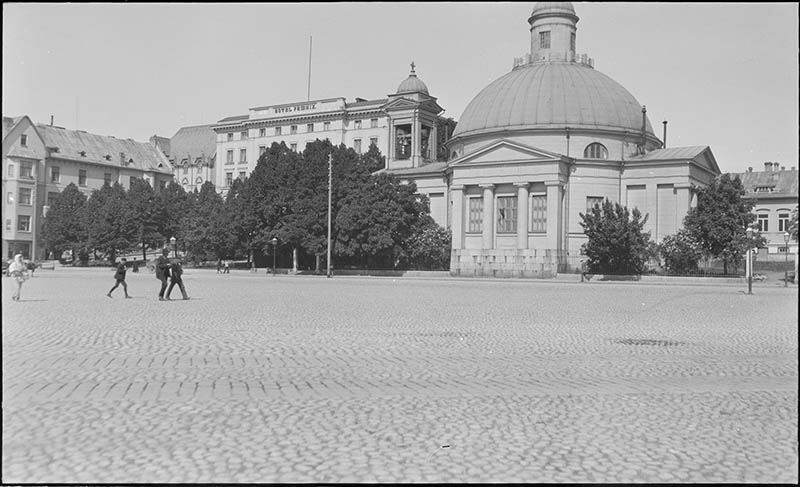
column 509, row 263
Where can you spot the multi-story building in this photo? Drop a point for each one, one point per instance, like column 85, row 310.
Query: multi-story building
column 192, row 151
column 775, row 192
column 403, row 126
column 39, row 161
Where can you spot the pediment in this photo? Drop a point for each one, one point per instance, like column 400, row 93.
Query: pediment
column 402, row 103
column 506, row 152
column 707, row 160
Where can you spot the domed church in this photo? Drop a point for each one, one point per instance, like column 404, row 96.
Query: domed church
column 540, row 145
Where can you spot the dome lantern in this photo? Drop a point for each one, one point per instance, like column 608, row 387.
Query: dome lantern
column 412, row 84
column 553, row 27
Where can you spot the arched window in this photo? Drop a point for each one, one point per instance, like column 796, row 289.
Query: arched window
column 595, row 150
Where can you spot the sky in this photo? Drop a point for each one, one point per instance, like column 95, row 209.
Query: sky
column 723, row 75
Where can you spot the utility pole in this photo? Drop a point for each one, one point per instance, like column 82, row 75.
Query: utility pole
column 330, row 193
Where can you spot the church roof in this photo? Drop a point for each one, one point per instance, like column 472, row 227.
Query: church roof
column 552, row 95
column 671, row 153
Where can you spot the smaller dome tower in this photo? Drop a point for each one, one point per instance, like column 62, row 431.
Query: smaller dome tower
column 412, row 84
column 553, row 27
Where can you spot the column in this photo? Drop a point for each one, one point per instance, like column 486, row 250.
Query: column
column 415, row 142
column 488, row 215
column 457, row 218
column 554, row 215
column 390, row 150
column 433, row 142
column 522, row 215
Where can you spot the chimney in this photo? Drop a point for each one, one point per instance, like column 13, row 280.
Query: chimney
column 644, row 127
column 51, row 120
column 665, row 133
column 749, row 169
column 768, row 166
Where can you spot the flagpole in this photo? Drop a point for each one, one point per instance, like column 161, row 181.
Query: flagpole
column 310, row 41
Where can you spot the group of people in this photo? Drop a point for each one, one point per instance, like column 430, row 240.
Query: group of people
column 169, row 273
column 223, row 267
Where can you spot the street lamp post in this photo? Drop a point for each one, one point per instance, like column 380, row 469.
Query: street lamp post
column 274, row 243
column 749, row 232
column 786, row 271
column 172, row 241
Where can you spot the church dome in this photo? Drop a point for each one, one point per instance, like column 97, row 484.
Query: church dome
column 560, row 9
column 412, row 84
column 549, row 96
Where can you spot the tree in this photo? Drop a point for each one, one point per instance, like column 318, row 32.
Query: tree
column 173, row 200
column 148, row 218
column 63, row 228
column 793, row 225
column 428, row 247
column 108, row 221
column 617, row 243
column 720, row 219
column 681, row 253
column 204, row 233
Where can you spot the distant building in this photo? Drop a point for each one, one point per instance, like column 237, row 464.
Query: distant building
column 40, row 160
column 192, row 151
column 775, row 191
column 404, row 127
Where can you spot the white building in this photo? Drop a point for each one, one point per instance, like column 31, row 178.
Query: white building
column 403, row 126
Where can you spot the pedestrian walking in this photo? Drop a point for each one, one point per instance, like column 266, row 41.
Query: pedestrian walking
column 162, row 272
column 19, row 271
column 227, row 268
column 120, row 277
column 176, row 271
column 219, row 266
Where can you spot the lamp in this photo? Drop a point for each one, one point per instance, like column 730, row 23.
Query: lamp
column 172, row 241
column 786, row 272
column 274, row 243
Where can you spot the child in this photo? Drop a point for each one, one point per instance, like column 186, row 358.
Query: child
column 120, row 277
column 19, row 271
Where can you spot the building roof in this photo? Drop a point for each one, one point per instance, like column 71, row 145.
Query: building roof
column 193, row 142
column 103, row 149
column 412, row 84
column 8, row 124
column 770, row 184
column 552, row 95
column 671, row 153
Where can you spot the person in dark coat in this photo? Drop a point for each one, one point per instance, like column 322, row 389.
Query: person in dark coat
column 176, row 271
column 162, row 272
column 120, row 277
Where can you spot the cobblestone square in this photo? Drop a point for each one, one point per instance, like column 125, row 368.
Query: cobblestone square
column 262, row 378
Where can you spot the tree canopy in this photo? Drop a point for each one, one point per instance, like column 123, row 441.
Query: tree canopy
column 617, row 241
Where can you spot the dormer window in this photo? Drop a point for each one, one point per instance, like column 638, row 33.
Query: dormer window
column 108, row 157
column 595, row 150
column 82, row 153
column 764, row 189
column 23, row 140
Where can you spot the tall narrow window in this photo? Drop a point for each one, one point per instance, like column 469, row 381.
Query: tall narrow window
column 595, row 150
column 81, row 177
column 55, row 174
column 228, row 178
column 538, row 213
column 243, row 136
column 357, row 145
column 373, row 141
column 277, row 130
column 326, row 126
column 763, row 222
column 293, row 129
column 262, row 132
column 23, row 140
column 51, row 197
column 242, row 175
column 544, row 40
column 242, row 155
column 358, row 124
column 293, row 146
column 475, row 215
column 11, row 170
column 261, row 150
column 572, row 42
column 373, row 123
column 783, row 222
column 506, row 214
column 25, row 196
column 310, row 127
column 229, row 156
column 230, row 137
column 107, row 178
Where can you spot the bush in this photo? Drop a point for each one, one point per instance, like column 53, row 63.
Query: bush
column 681, row 253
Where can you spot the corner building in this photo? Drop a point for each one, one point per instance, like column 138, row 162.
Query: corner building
column 543, row 143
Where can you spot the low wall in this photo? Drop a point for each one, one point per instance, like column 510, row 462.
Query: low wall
column 505, row 263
